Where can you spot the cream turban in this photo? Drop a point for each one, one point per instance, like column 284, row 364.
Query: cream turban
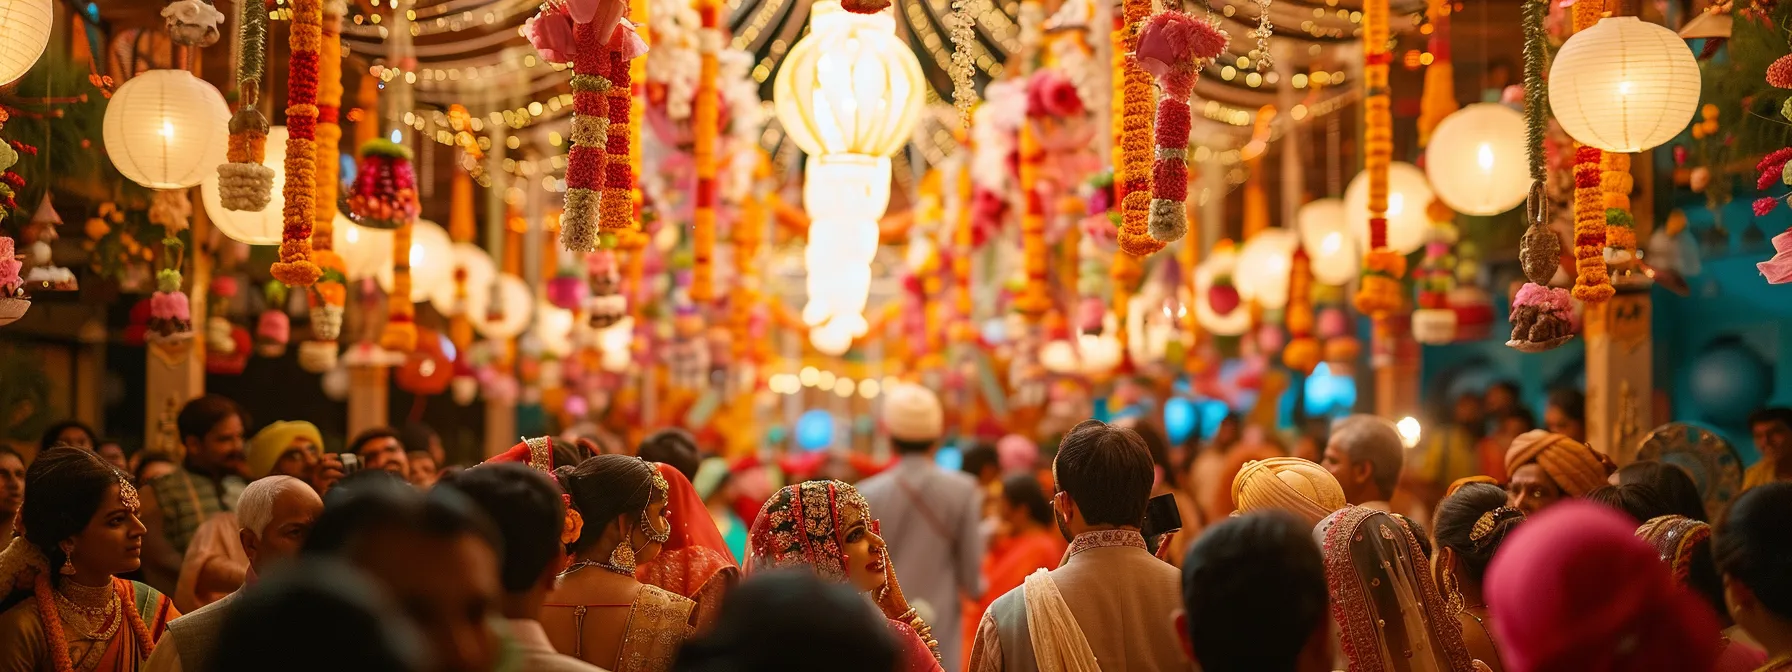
column 1575, row 467
column 913, row 413
column 1289, row 484
column 273, row 441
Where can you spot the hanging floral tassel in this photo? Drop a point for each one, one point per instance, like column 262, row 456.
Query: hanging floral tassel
column 1542, row 317
column 328, row 296
column 606, row 304
column 295, row 267
column 1592, row 283
column 864, row 6
column 1034, row 299
column 1303, row 351
column 963, row 67
column 704, row 119
column 617, row 209
column 1133, row 135
column 170, row 316
column 401, row 333
column 1434, row 322
column 559, row 38
column 384, row 195
column 1379, row 295
column 13, row 301
column 1173, row 47
column 244, row 184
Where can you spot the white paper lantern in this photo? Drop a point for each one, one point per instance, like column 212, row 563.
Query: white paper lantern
column 516, row 299
column 831, row 339
column 849, row 86
column 479, row 270
column 1263, row 268
column 258, row 227
column 1624, row 85
column 24, row 32
column 369, row 254
column 166, row 129
column 1331, row 248
column 366, row 252
column 1408, row 195
column 1476, row 160
column 432, row 259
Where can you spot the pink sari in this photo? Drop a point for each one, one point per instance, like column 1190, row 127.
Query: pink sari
column 695, row 561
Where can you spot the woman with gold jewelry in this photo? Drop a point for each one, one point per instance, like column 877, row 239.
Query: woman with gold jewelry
column 65, row 610
column 827, row 527
column 1471, row 524
column 617, row 519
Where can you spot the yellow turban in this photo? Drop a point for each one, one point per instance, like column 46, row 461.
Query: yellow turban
column 1289, row 484
column 1575, row 467
column 273, row 440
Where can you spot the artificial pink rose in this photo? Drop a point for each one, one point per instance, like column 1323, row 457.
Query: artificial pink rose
column 1174, row 41
column 1779, row 269
column 1051, row 94
column 552, row 35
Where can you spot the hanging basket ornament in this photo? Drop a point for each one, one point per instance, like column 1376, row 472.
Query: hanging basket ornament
column 170, row 316
column 13, row 301
column 245, row 184
column 1173, row 47
column 384, row 195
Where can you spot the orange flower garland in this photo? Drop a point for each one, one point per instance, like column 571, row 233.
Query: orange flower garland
column 401, row 331
column 1302, row 352
column 1379, row 295
column 1616, row 182
column 295, row 267
column 1132, row 170
column 1033, row 300
column 329, row 294
column 1592, row 284
column 616, row 209
column 703, row 120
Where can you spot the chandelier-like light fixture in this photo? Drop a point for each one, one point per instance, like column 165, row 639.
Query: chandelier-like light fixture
column 849, row 95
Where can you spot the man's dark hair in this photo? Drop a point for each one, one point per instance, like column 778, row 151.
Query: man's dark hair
column 1570, row 402
column 526, row 506
column 1636, row 500
column 360, row 506
column 673, row 446
column 1753, row 545
column 1254, row 590
column 368, row 633
column 371, row 435
column 1522, row 413
column 1510, row 388
column 52, row 436
column 197, row 418
column 792, row 621
column 1106, row 470
column 1779, row 414
column 1022, row 491
column 903, row 447
column 1671, row 482
column 418, row 436
column 978, row 457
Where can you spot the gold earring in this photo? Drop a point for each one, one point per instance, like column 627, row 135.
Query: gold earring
column 1452, row 594
column 623, row 558
column 68, row 562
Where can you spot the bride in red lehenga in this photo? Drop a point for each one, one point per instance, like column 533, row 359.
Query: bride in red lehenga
column 694, row 561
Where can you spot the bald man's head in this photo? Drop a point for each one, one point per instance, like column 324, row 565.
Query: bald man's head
column 275, row 514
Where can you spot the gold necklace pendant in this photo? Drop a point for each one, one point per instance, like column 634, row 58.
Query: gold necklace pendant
column 82, row 619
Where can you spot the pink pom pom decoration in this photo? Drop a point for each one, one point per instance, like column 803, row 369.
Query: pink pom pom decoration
column 1172, row 47
column 1780, row 73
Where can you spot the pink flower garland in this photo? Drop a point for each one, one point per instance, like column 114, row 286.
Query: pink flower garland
column 1172, row 47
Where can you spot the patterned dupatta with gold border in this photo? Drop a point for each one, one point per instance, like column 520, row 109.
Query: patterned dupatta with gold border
column 1389, row 614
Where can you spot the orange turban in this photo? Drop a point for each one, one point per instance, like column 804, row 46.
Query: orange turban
column 1289, row 484
column 1575, row 467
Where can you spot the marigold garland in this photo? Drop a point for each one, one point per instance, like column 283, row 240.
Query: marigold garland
column 704, row 115
column 1132, row 176
column 244, row 184
column 1173, row 47
column 400, row 334
column 295, row 267
column 1302, row 352
column 580, row 221
column 329, row 294
column 1592, row 284
column 1379, row 294
column 1439, row 98
column 1033, row 301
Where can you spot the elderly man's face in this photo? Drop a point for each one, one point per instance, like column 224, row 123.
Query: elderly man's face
column 295, row 509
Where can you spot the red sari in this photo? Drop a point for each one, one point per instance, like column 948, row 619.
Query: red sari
column 695, row 561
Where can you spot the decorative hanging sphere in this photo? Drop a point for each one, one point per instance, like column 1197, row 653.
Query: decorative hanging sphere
column 24, row 32
column 1476, row 160
column 1330, row 247
column 365, row 252
column 554, row 328
column 432, row 259
column 512, row 313
column 1624, row 85
column 1263, row 267
column 849, row 86
column 166, row 129
column 1218, row 318
column 477, row 267
column 260, row 227
column 1408, row 194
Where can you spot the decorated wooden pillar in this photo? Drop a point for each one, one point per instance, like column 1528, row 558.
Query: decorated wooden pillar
column 1620, row 353
column 368, row 396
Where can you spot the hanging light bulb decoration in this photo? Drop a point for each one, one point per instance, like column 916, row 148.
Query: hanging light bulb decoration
column 1263, row 269
column 1326, row 236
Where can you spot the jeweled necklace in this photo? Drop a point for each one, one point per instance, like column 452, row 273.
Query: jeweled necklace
column 91, row 611
column 574, row 567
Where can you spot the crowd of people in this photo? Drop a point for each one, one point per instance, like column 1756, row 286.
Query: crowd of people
column 1114, row 551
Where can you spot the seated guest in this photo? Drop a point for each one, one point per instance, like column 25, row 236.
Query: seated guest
column 367, row 632
column 435, row 553
column 1685, row 545
column 1672, row 482
column 1573, row 589
column 275, row 514
column 1547, row 468
column 64, row 606
column 792, row 621
column 1254, row 597
column 1289, row 484
column 527, row 508
column 422, row 469
column 1472, row 523
column 1753, row 549
column 379, row 448
column 1638, row 501
column 1389, row 615
column 1365, row 454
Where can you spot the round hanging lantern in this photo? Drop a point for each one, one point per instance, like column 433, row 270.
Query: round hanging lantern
column 166, row 129
column 1624, row 85
column 554, row 329
column 1331, row 249
column 259, row 227
column 1263, row 268
column 849, row 86
column 24, row 32
column 1408, row 194
column 365, row 252
column 432, row 253
column 475, row 265
column 1214, row 290
column 512, row 313
column 1476, row 160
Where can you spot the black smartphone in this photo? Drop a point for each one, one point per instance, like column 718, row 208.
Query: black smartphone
column 1161, row 518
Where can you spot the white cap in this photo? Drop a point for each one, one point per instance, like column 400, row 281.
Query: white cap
column 913, row 413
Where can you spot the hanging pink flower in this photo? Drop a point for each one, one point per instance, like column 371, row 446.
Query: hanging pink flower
column 552, row 35
column 1779, row 269
column 1050, row 93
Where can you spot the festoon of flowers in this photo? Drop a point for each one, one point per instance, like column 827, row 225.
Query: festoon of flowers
column 705, row 115
column 1132, row 179
column 1541, row 315
column 244, row 184
column 295, row 267
column 588, row 34
column 1592, row 283
column 329, row 294
column 1173, row 47
column 1383, row 267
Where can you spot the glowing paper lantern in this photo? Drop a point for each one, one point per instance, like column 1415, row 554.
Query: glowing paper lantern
column 475, row 264
column 24, row 32
column 166, row 129
column 553, row 328
column 1408, row 194
column 1476, row 160
column 432, row 253
column 259, row 227
column 1263, row 268
column 513, row 311
column 1331, row 248
column 849, row 86
column 1624, row 85
column 365, row 252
